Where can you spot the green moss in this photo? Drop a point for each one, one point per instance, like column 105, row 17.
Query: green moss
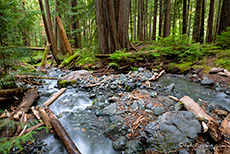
column 183, row 67
column 65, row 83
column 206, row 68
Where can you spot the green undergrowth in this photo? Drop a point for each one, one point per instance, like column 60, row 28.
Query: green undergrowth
column 6, row 143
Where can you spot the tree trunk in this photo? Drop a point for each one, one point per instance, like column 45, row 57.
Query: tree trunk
column 160, row 19
column 112, row 23
column 184, row 28
column 210, row 22
column 190, row 19
column 50, row 29
column 12, row 92
column 167, row 22
column 155, row 20
column 197, row 22
column 217, row 21
column 64, row 36
column 202, row 22
column 74, row 24
column 225, row 16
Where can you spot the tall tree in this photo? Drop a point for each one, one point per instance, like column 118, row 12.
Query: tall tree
column 49, row 30
column 184, row 28
column 155, row 19
column 160, row 18
column 202, row 22
column 210, row 22
column 113, row 24
column 197, row 22
column 217, row 20
column 167, row 22
column 75, row 23
column 225, row 16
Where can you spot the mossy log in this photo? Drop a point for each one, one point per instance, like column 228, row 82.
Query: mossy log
column 44, row 57
column 12, row 92
column 69, row 60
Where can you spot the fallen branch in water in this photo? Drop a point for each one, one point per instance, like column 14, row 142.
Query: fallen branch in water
column 35, row 77
column 54, row 97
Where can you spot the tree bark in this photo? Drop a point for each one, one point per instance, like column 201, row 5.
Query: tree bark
column 75, row 22
column 112, row 23
column 217, row 21
column 190, row 19
column 184, row 28
column 50, row 29
column 64, row 36
column 210, row 22
column 160, row 18
column 225, row 16
column 167, row 22
column 214, row 128
column 155, row 20
column 62, row 134
column 197, row 22
column 202, row 22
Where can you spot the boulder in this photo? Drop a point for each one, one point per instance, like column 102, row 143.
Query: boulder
column 172, row 130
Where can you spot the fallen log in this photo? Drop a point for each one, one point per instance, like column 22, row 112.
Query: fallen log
column 26, row 103
column 45, row 117
column 62, row 134
column 44, row 57
column 12, row 92
column 35, row 77
column 54, row 97
column 33, row 128
column 69, row 60
column 213, row 127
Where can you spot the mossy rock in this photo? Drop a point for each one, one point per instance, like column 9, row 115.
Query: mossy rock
column 65, row 83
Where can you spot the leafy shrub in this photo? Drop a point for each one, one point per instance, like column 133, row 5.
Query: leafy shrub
column 223, row 39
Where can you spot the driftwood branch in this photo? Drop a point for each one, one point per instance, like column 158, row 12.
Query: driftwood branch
column 213, row 127
column 34, row 77
column 27, row 102
column 62, row 134
column 54, row 97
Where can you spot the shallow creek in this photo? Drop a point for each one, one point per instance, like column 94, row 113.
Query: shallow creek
column 86, row 129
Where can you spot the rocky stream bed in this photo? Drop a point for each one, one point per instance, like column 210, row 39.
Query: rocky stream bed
column 132, row 113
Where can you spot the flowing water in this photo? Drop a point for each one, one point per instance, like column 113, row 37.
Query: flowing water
column 86, row 130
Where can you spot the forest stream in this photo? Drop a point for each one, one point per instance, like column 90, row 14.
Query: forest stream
column 92, row 122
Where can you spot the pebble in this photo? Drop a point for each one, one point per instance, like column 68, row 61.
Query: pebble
column 158, row 111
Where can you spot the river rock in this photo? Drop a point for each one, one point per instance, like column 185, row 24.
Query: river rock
column 75, row 75
column 158, row 110
column 132, row 147
column 171, row 130
column 110, row 110
column 119, row 144
column 203, row 149
column 215, row 70
column 207, row 81
column 143, row 78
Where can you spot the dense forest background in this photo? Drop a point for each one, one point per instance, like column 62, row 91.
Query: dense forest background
column 109, row 26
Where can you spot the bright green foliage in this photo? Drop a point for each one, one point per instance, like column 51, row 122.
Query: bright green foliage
column 16, row 21
column 6, row 143
column 119, row 57
column 224, row 39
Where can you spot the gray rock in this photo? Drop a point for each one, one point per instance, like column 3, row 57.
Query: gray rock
column 113, row 87
column 178, row 106
column 119, row 144
column 110, row 110
column 207, row 81
column 158, row 110
column 132, row 147
column 116, row 119
column 153, row 94
column 143, row 78
column 141, row 106
column 134, row 105
column 171, row 130
column 149, row 106
column 203, row 149
column 129, row 87
column 141, row 69
column 183, row 152
column 148, row 111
